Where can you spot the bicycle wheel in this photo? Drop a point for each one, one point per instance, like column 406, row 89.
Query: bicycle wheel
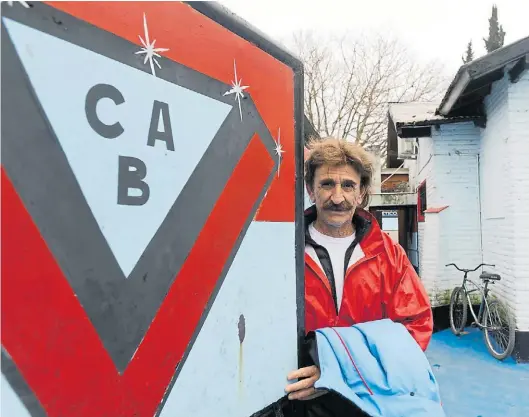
column 458, row 310
column 499, row 331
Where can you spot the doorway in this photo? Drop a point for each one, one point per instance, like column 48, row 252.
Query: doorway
column 400, row 223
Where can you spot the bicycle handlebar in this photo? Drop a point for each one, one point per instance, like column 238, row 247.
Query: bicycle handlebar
column 469, row 270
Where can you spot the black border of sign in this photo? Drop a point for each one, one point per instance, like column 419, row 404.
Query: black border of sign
column 245, row 30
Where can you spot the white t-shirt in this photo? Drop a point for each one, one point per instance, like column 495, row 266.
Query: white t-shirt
column 336, row 246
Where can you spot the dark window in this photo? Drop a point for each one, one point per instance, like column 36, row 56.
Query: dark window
column 421, row 201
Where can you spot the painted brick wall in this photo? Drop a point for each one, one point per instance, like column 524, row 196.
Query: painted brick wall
column 483, row 176
column 429, row 261
column 412, row 166
column 456, row 167
column 423, row 167
column 452, row 235
column 519, row 155
column 505, row 200
column 496, row 191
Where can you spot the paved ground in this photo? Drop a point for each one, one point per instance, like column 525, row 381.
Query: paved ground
column 473, row 383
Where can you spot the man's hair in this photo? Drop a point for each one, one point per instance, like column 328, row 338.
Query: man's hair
column 337, row 152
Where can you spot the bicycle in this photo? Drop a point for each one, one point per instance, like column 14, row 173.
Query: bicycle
column 493, row 317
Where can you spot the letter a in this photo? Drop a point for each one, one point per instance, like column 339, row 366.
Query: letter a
column 160, row 110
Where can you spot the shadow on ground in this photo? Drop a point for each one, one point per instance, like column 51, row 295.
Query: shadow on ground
column 473, row 383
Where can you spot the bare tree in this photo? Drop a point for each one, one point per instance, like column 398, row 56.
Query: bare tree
column 350, row 81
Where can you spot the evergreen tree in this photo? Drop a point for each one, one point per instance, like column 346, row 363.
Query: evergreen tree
column 469, row 54
column 496, row 32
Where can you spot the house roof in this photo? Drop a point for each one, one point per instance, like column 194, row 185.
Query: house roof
column 415, row 113
column 463, row 100
column 473, row 81
column 420, row 113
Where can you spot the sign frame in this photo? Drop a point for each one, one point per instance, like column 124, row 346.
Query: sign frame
column 244, row 30
column 247, row 31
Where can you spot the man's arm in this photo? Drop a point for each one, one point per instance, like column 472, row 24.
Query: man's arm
column 408, row 302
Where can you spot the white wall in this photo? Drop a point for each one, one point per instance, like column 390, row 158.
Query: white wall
column 496, row 183
column 505, row 186
column 519, row 154
column 456, row 169
column 488, row 197
column 412, row 166
column 449, row 163
column 424, row 168
column 429, row 256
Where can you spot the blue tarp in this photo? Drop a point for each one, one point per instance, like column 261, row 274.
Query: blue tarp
column 474, row 384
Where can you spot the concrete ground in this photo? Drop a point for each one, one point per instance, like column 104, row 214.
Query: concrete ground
column 472, row 382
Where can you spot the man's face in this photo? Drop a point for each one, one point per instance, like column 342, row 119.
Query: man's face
column 336, row 193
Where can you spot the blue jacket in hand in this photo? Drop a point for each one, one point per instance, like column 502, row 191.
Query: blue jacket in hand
column 380, row 368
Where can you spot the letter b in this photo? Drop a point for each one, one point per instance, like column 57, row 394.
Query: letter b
column 132, row 178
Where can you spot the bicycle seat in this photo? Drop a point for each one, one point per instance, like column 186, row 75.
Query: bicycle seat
column 487, row 276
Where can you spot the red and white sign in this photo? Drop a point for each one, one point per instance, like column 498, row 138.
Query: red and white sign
column 148, row 211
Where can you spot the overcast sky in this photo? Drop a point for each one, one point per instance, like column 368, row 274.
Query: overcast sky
column 429, row 28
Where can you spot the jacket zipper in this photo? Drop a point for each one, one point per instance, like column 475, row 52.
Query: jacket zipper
column 347, row 273
column 383, row 307
column 353, row 266
column 328, row 292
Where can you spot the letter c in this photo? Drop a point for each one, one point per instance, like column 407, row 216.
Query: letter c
column 96, row 93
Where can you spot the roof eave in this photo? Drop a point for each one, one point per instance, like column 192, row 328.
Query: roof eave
column 454, row 92
column 481, row 67
column 438, row 122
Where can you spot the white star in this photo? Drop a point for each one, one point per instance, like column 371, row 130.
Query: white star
column 148, row 48
column 237, row 89
column 279, row 150
column 23, row 3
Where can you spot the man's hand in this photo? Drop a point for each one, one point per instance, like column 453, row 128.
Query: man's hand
column 304, row 389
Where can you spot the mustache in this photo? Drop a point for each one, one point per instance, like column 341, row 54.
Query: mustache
column 343, row 206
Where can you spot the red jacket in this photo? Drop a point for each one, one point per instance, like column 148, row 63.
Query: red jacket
column 380, row 282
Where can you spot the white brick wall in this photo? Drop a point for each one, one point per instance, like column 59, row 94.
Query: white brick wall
column 505, row 186
column 413, row 169
column 424, row 171
column 519, row 154
column 483, row 176
column 496, row 189
column 452, row 235
column 457, row 150
column 429, row 252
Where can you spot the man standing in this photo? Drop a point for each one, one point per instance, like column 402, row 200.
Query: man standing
column 354, row 272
